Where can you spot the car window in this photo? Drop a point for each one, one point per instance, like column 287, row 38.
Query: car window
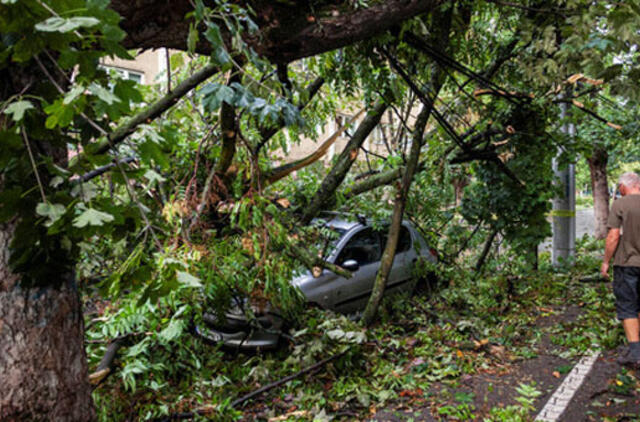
column 364, row 247
column 404, row 241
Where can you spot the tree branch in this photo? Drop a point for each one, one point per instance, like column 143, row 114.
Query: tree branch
column 445, row 60
column 287, row 31
column 377, row 180
column 237, row 402
column 228, row 130
column 286, row 169
column 286, row 379
column 527, row 8
column 346, row 158
column 103, row 169
column 310, row 261
column 591, row 113
column 150, row 113
column 105, row 367
column 485, row 250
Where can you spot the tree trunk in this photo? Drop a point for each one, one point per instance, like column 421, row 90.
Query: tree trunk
column 43, row 364
column 486, row 250
column 287, row 30
column 441, row 38
column 600, row 187
column 386, row 262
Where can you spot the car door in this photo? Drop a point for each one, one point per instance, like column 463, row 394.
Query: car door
column 350, row 295
column 401, row 275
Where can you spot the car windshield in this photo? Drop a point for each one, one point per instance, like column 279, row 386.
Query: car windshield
column 324, row 244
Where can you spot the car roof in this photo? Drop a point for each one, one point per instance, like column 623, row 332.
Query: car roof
column 342, row 224
column 346, row 224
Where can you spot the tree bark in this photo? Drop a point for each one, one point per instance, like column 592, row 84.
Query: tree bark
column 386, row 262
column 151, row 112
column 600, row 187
column 229, row 129
column 486, row 250
column 459, row 181
column 287, row 30
column 372, row 182
column 286, row 169
column 43, row 364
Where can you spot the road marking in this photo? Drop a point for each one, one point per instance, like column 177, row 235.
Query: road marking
column 561, row 398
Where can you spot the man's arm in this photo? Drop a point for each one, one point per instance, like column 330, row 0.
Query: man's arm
column 613, row 237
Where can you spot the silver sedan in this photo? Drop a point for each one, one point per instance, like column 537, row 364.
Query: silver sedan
column 357, row 247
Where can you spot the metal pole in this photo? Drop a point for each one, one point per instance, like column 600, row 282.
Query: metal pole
column 564, row 206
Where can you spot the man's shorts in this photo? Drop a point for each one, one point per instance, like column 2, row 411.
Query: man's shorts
column 625, row 288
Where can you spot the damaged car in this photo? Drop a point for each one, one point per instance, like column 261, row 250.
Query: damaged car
column 356, row 246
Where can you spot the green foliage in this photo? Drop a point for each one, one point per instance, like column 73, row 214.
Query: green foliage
column 405, row 355
column 517, row 209
column 157, row 242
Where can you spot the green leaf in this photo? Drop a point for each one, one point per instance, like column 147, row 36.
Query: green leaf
column 58, row 24
column 73, row 94
column 113, row 33
column 52, row 211
column 59, row 115
column 192, row 38
column 87, row 191
column 214, row 94
column 173, row 330
column 149, row 150
column 220, row 56
column 18, row 109
column 103, row 93
column 242, row 98
column 187, row 279
column 212, row 34
column 153, row 177
column 92, row 217
column 56, row 181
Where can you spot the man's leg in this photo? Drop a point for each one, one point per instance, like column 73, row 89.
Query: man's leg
column 631, row 329
column 625, row 288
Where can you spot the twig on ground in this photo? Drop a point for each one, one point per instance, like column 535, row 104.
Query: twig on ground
column 105, row 367
column 249, row 396
column 286, row 379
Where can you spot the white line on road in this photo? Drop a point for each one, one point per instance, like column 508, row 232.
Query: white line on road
column 560, row 399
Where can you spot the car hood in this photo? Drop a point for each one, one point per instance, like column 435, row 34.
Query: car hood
column 299, row 280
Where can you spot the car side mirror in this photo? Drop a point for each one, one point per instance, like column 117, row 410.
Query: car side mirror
column 350, row 265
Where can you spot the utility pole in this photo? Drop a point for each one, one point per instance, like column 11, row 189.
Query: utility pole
column 564, row 205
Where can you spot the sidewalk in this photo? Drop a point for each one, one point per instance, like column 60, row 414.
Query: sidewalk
column 607, row 392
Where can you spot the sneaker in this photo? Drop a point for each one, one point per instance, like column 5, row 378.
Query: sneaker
column 625, row 359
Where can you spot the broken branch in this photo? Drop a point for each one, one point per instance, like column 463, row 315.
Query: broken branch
column 286, row 169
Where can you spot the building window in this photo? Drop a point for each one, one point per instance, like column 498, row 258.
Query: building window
column 132, row 75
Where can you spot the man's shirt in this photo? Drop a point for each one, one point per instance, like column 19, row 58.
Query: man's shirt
column 625, row 215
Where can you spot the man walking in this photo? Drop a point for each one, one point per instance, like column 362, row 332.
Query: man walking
column 624, row 240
